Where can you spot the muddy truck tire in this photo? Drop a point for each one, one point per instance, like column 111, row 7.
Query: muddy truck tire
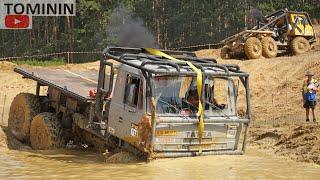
column 299, row 45
column 22, row 110
column 46, row 132
column 225, row 52
column 253, row 48
column 269, row 47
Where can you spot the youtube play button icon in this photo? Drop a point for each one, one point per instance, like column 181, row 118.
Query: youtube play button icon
column 17, row 22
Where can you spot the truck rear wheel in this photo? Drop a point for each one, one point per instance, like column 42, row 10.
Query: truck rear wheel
column 225, row 52
column 253, row 48
column 299, row 45
column 22, row 110
column 269, row 47
column 46, row 132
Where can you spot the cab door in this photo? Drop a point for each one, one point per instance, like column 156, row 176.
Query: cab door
column 301, row 25
column 127, row 106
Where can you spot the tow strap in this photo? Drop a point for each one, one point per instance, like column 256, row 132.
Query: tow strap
column 199, row 87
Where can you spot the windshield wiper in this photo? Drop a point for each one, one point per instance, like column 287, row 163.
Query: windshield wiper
column 178, row 110
column 217, row 107
column 190, row 104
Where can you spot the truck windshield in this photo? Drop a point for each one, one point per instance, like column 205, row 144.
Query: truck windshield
column 178, row 95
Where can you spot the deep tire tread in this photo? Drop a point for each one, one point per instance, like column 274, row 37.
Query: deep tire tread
column 253, row 48
column 54, row 133
column 269, row 47
column 22, row 110
column 299, row 45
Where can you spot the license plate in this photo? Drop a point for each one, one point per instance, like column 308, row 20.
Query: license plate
column 166, row 132
column 232, row 131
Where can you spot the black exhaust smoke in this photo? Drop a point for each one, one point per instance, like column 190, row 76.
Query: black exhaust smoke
column 257, row 15
column 124, row 30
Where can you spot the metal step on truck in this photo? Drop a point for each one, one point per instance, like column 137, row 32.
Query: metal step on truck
column 152, row 103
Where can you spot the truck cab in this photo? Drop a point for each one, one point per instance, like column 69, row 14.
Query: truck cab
column 154, row 105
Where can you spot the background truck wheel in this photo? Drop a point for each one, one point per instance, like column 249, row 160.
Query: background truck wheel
column 314, row 45
column 23, row 108
column 253, row 48
column 299, row 45
column 269, row 47
column 225, row 52
column 46, row 132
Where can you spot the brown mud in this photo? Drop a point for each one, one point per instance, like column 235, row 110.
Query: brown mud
column 300, row 142
column 8, row 140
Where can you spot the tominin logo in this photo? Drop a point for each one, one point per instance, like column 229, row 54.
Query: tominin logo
column 17, row 14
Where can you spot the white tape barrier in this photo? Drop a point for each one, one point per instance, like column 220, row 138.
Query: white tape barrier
column 46, row 55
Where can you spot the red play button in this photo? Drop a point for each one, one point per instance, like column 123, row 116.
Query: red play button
column 17, row 21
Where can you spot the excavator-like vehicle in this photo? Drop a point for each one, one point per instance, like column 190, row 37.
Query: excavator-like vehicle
column 287, row 31
column 152, row 103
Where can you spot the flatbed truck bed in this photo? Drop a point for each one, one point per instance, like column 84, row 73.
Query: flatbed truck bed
column 74, row 83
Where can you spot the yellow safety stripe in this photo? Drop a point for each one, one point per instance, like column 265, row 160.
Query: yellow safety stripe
column 199, row 87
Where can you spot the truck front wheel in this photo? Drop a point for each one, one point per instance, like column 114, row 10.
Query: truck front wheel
column 299, row 45
column 46, row 132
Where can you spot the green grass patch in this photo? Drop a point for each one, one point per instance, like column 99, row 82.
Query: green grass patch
column 35, row 62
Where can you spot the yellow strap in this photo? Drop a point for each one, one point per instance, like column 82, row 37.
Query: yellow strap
column 199, row 87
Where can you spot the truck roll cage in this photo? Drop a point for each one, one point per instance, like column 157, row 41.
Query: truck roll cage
column 155, row 65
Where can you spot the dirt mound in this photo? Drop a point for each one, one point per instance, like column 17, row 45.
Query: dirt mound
column 212, row 53
column 5, row 65
column 301, row 143
column 122, row 157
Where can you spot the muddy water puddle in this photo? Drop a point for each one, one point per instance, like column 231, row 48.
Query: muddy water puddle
column 254, row 164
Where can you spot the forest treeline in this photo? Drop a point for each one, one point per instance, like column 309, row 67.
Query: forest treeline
column 170, row 24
